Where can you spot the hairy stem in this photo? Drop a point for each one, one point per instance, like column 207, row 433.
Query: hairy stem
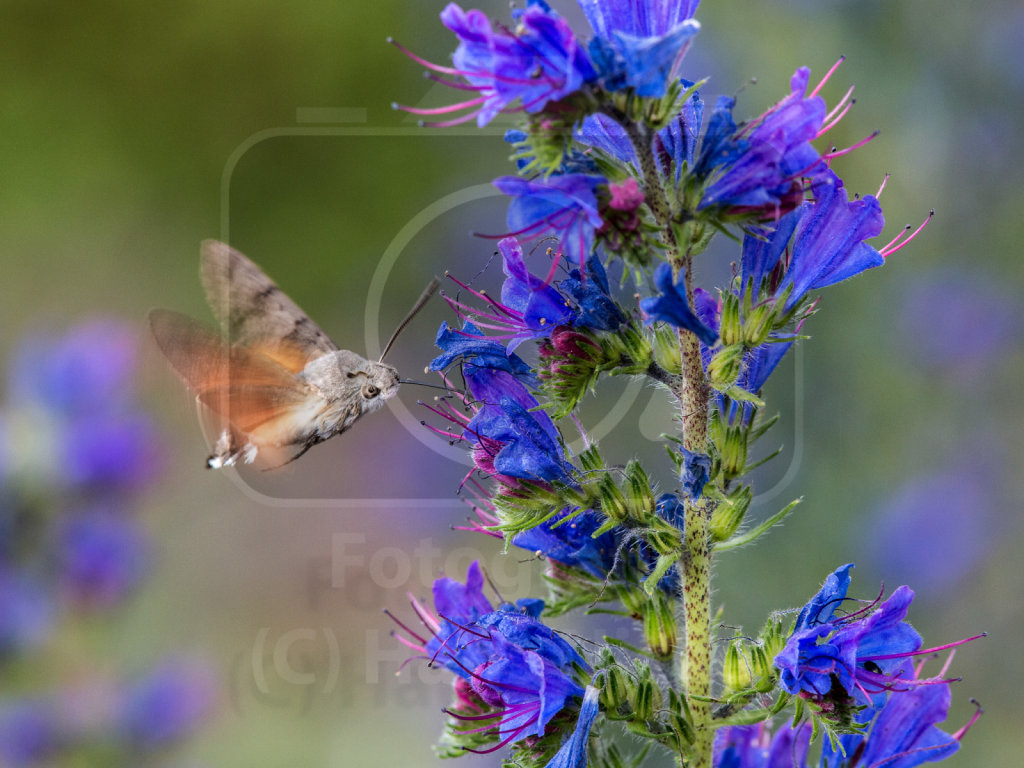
column 694, row 395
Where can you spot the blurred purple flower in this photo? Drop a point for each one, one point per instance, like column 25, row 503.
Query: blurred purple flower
column 167, row 704
column 28, row 732
column 26, row 611
column 101, row 554
column 935, row 528
column 959, row 322
column 86, row 370
column 116, row 451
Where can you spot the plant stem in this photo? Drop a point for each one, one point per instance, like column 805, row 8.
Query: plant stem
column 694, row 396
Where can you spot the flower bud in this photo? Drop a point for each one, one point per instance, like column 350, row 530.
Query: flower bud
column 646, row 695
column 724, row 368
column 758, row 325
column 736, row 668
column 660, row 625
column 733, row 451
column 730, row 328
column 666, row 349
column 729, row 514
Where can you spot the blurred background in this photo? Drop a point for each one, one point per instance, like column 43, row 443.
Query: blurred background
column 128, row 133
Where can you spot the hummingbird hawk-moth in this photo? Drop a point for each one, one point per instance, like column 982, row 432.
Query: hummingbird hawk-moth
column 277, row 382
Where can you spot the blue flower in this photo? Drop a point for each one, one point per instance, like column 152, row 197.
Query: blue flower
column 531, row 308
column 476, row 351
column 863, row 653
column 640, row 44
column 567, row 539
column 537, row 62
column 695, row 473
column 759, row 169
column 564, row 206
column 573, row 753
column 513, row 440
column 595, row 307
column 672, row 307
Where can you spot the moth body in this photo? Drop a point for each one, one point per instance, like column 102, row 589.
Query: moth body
column 277, row 384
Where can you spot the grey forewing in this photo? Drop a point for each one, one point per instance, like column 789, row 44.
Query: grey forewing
column 251, row 305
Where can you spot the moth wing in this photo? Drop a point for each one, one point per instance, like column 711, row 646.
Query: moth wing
column 255, row 312
column 254, row 393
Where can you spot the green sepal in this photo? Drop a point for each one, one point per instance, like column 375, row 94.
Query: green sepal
column 755, row 533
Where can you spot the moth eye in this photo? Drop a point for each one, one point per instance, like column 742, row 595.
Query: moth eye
column 351, row 375
column 370, row 391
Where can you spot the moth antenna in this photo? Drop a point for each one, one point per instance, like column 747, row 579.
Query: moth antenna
column 424, row 297
column 423, row 384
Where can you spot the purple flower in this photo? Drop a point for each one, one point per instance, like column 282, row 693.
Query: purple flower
column 828, row 241
column 640, row 44
column 83, row 381
column 758, row 169
column 672, row 307
column 101, row 555
column 563, row 206
column 538, row 62
column 862, row 653
column 903, row 734
column 167, row 705
column 517, row 668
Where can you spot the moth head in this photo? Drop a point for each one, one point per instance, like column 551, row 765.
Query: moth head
column 344, row 375
column 377, row 382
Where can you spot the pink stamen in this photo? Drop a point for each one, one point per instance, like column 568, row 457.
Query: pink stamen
column 840, row 152
column 830, row 125
column 420, row 60
column 484, row 297
column 408, row 643
column 452, row 83
column 412, row 634
column 827, row 76
column 839, row 104
column 429, row 621
column 441, row 110
column 885, row 180
column 891, row 247
column 925, row 650
column 512, row 737
column 974, row 718
column 450, row 123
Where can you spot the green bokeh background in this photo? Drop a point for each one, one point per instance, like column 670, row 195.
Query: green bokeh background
column 129, row 132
